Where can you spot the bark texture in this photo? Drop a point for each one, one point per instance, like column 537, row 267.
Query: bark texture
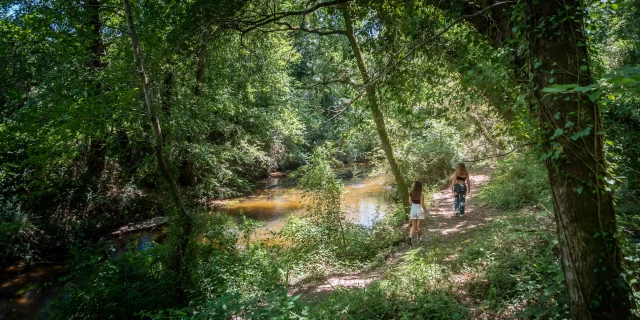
column 163, row 165
column 572, row 137
column 374, row 106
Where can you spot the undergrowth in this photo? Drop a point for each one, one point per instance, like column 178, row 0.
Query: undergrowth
column 228, row 275
column 517, row 182
column 508, row 269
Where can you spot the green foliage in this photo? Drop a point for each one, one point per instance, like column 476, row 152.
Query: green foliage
column 223, row 280
column 99, row 287
column 15, row 233
column 419, row 288
column 515, row 265
column 323, row 239
column 431, row 155
column 76, row 162
column 323, row 190
column 623, row 81
column 517, row 182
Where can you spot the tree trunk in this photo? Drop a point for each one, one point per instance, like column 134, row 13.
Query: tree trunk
column 572, row 140
column 372, row 100
column 187, row 174
column 163, row 165
column 96, row 155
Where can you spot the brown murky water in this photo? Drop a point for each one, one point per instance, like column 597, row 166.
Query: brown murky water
column 363, row 200
column 24, row 291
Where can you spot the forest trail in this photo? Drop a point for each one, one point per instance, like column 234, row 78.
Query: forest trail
column 442, row 229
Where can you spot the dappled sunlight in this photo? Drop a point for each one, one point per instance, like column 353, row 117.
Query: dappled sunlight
column 23, row 289
column 441, row 219
column 441, row 228
column 317, row 291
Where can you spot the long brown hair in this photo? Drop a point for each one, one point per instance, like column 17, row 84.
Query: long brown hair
column 461, row 171
column 416, row 192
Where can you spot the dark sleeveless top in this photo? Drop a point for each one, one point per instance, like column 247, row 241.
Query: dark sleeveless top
column 461, row 178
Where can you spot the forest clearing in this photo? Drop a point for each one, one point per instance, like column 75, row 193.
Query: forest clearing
column 319, row 159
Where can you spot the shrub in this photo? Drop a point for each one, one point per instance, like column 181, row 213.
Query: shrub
column 431, row 156
column 515, row 266
column 517, row 182
column 15, row 235
column 101, row 288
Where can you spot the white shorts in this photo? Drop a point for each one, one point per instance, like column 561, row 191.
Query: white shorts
column 416, row 211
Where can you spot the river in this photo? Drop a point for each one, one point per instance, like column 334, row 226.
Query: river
column 24, row 291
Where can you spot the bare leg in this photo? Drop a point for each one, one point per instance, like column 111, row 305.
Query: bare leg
column 419, row 223
column 414, row 223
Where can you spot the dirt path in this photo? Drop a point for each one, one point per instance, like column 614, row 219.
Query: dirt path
column 442, row 228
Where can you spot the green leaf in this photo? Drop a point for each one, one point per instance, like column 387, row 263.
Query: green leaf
column 583, row 68
column 621, row 80
column 579, row 190
column 595, row 95
column 557, row 133
column 551, row 80
column 614, row 6
column 583, row 133
column 553, row 90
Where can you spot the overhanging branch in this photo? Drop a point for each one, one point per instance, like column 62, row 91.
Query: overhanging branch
column 281, row 15
column 500, row 155
column 322, row 32
column 417, row 43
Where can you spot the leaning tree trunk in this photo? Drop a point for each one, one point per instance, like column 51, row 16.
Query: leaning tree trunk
column 573, row 142
column 184, row 218
column 374, row 106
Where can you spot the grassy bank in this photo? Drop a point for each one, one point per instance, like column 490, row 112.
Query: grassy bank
column 505, row 269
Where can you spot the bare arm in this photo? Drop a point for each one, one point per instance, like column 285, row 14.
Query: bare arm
column 469, row 183
column 424, row 208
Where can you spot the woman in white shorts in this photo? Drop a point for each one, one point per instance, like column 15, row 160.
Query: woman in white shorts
column 418, row 210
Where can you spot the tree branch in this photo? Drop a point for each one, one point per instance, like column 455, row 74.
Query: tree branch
column 289, row 27
column 500, row 155
column 465, row 17
column 339, row 112
column 280, row 15
column 419, row 42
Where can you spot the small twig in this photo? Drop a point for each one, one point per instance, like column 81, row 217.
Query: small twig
column 500, row 155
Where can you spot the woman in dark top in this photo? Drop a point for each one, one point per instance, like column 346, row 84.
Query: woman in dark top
column 418, row 210
column 461, row 185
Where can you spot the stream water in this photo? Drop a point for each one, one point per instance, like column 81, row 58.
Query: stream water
column 363, row 200
column 24, row 291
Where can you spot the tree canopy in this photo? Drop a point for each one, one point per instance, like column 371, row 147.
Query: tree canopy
column 115, row 112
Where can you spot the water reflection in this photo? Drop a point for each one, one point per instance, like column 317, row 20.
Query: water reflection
column 363, row 200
